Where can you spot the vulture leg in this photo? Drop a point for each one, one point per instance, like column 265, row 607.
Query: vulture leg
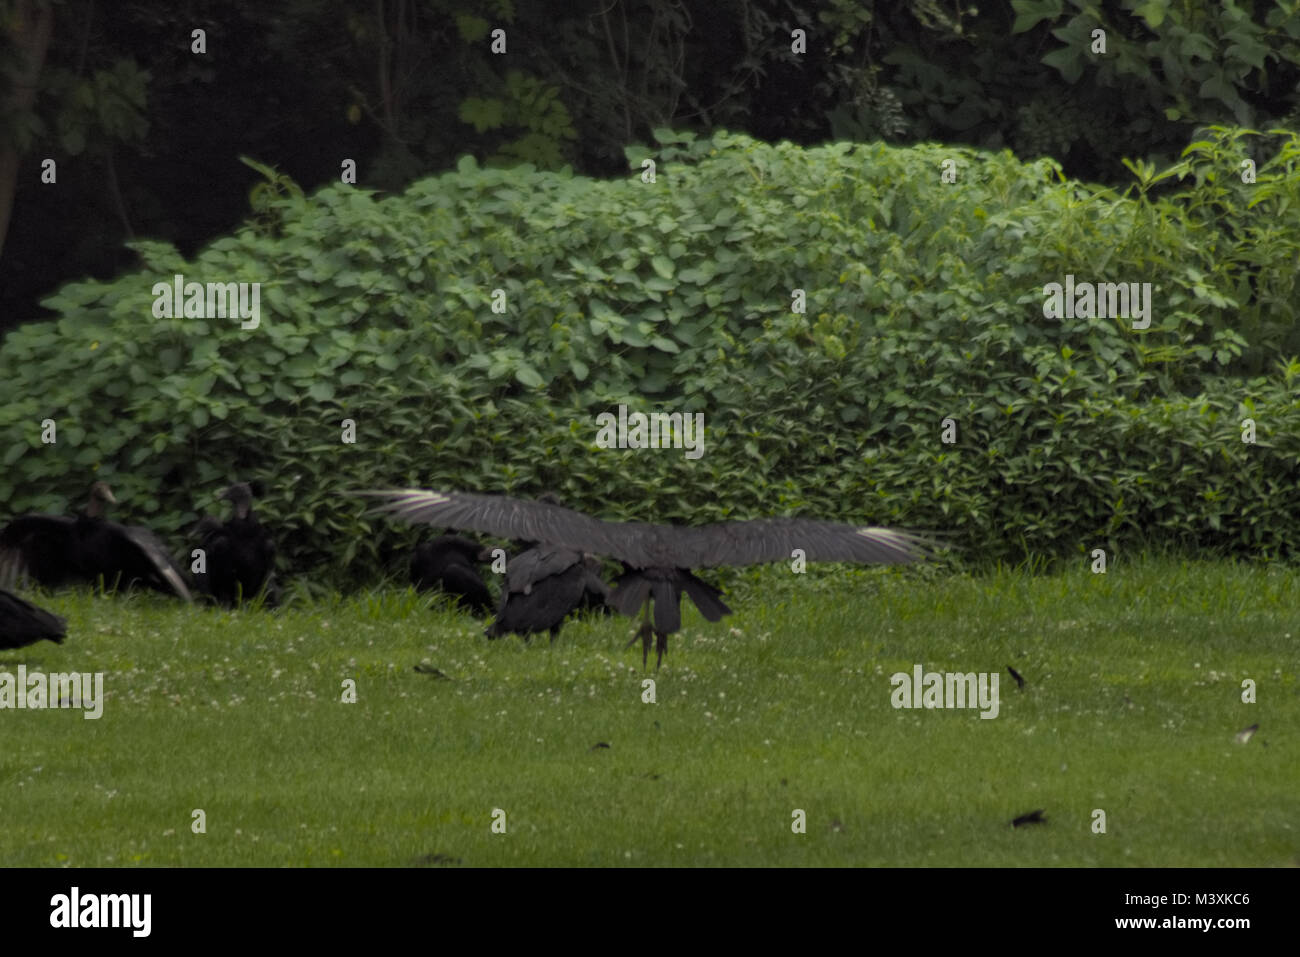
column 644, row 633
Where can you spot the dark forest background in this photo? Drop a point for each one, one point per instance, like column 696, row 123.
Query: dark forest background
column 147, row 134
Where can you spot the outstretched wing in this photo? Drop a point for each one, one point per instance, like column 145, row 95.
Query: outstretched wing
column 776, row 539
column 36, row 546
column 153, row 565
column 536, row 564
column 643, row 545
column 500, row 516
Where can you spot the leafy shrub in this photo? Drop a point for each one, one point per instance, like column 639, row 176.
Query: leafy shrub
column 924, row 302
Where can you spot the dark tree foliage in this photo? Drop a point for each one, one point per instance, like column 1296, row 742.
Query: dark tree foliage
column 136, row 118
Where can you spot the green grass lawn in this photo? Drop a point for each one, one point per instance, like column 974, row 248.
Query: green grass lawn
column 1132, row 705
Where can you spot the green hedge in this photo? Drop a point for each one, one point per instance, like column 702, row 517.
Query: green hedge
column 924, row 301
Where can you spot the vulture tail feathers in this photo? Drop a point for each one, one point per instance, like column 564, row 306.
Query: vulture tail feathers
column 668, row 607
column 707, row 598
column 629, row 595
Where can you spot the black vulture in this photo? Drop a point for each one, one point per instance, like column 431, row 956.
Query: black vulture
column 22, row 623
column 449, row 563
column 57, row 549
column 543, row 585
column 657, row 558
column 238, row 554
column 205, row 527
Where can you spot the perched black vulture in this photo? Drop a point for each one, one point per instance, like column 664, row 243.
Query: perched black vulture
column 22, row 623
column 238, row 554
column 56, row 549
column 543, row 585
column 449, row 563
column 656, row 557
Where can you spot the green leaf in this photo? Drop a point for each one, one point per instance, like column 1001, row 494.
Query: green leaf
column 1030, row 12
column 528, row 376
column 1067, row 61
column 1153, row 12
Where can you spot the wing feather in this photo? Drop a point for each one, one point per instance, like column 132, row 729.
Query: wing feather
column 151, row 550
column 37, row 547
column 642, row 545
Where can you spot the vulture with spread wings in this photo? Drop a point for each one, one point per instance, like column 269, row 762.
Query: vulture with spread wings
column 657, row 558
column 57, row 549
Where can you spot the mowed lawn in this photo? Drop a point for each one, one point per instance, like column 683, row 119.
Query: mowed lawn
column 1132, row 706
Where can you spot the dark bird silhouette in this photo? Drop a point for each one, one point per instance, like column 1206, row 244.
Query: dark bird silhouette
column 636, row 586
column 239, row 556
column 22, row 623
column 543, row 585
column 57, row 549
column 1033, row 817
column 205, row 527
column 656, row 558
column 450, row 563
column 1020, row 681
